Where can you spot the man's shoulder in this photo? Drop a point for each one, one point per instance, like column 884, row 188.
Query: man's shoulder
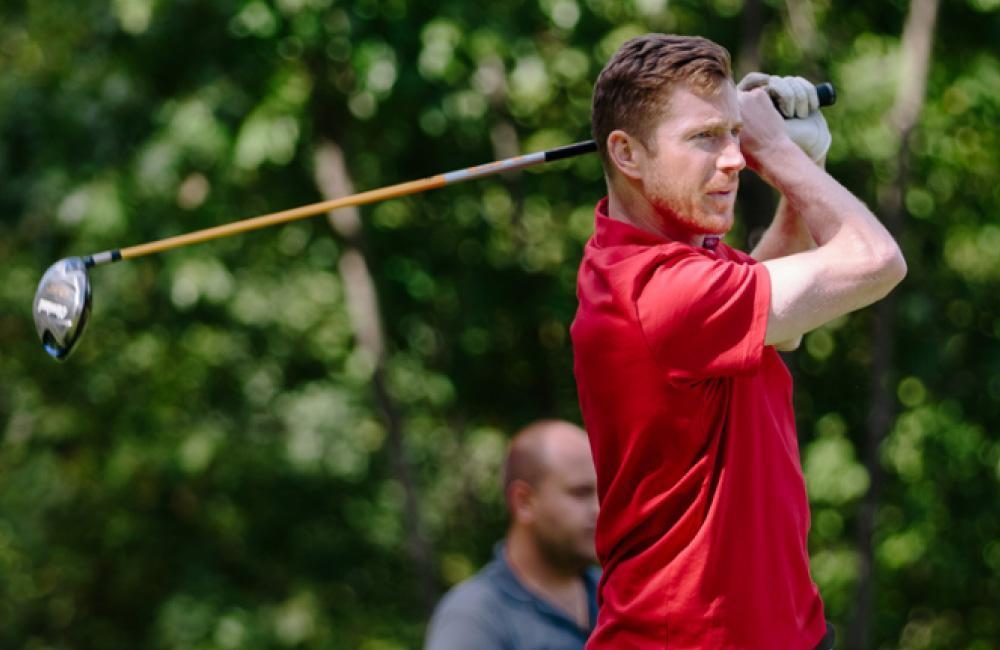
column 731, row 254
column 474, row 613
column 623, row 267
column 482, row 590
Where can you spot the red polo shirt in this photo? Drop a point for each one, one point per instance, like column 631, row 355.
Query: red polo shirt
column 704, row 517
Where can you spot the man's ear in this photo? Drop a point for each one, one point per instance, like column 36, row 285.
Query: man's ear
column 520, row 501
column 623, row 151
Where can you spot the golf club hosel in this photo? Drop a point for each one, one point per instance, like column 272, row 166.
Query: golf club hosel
column 105, row 257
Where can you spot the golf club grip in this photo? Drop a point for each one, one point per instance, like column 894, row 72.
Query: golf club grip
column 826, row 94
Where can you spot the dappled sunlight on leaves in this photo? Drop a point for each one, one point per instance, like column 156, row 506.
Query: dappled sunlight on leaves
column 833, row 474
column 835, row 570
column 327, row 433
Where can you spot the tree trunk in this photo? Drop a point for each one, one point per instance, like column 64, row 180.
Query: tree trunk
column 802, row 26
column 361, row 296
column 916, row 48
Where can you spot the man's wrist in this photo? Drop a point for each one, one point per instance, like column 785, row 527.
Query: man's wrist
column 776, row 158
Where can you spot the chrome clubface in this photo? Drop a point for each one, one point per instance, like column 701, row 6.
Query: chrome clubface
column 62, row 305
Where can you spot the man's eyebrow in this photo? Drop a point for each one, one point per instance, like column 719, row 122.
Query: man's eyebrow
column 712, row 125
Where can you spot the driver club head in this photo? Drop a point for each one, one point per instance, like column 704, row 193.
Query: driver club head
column 62, row 305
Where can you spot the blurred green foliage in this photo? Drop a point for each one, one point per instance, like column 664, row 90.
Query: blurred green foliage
column 210, row 469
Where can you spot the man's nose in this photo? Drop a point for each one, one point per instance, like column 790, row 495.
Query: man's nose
column 731, row 158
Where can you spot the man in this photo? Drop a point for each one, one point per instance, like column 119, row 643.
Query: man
column 704, row 516
column 540, row 590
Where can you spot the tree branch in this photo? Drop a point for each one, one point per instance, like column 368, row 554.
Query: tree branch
column 365, row 316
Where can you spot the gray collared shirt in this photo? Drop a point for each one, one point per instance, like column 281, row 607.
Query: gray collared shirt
column 493, row 611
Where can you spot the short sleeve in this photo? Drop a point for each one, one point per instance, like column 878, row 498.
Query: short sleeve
column 704, row 317
column 459, row 625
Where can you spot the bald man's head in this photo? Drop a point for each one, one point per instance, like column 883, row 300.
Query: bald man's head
column 551, row 491
column 529, row 456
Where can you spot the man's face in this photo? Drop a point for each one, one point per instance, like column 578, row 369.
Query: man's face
column 565, row 504
column 689, row 172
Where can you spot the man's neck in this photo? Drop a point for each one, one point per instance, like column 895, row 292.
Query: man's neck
column 524, row 554
column 631, row 207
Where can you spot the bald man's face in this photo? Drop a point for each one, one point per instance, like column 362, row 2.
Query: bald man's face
column 564, row 503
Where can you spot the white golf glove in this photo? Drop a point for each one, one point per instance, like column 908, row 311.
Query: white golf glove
column 796, row 100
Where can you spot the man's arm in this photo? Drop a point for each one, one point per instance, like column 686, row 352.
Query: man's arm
column 786, row 235
column 797, row 101
column 855, row 262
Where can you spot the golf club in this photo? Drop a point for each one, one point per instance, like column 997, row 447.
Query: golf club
column 63, row 299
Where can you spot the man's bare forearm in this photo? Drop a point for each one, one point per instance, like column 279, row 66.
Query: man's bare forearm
column 786, row 235
column 822, row 207
column 855, row 262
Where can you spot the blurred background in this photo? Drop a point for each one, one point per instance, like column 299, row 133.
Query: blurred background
column 291, row 438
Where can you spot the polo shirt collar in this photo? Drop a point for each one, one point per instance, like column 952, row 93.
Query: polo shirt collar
column 610, row 232
column 512, row 587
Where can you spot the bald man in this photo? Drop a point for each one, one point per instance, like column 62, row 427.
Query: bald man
column 540, row 590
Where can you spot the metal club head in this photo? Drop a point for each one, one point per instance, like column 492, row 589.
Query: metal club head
column 62, row 305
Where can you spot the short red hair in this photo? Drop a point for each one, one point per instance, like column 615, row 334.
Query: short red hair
column 634, row 87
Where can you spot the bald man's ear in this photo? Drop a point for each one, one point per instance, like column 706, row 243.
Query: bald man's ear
column 623, row 151
column 520, row 501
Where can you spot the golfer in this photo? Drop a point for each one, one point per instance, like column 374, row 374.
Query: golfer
column 703, row 510
column 540, row 590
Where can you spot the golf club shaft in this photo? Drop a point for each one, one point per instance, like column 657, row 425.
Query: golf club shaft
column 362, row 198
column 825, row 92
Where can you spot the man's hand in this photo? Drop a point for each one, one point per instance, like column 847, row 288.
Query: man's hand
column 763, row 136
column 796, row 100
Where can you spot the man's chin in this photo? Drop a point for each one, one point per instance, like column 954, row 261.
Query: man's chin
column 718, row 225
column 707, row 222
column 583, row 559
column 588, row 557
